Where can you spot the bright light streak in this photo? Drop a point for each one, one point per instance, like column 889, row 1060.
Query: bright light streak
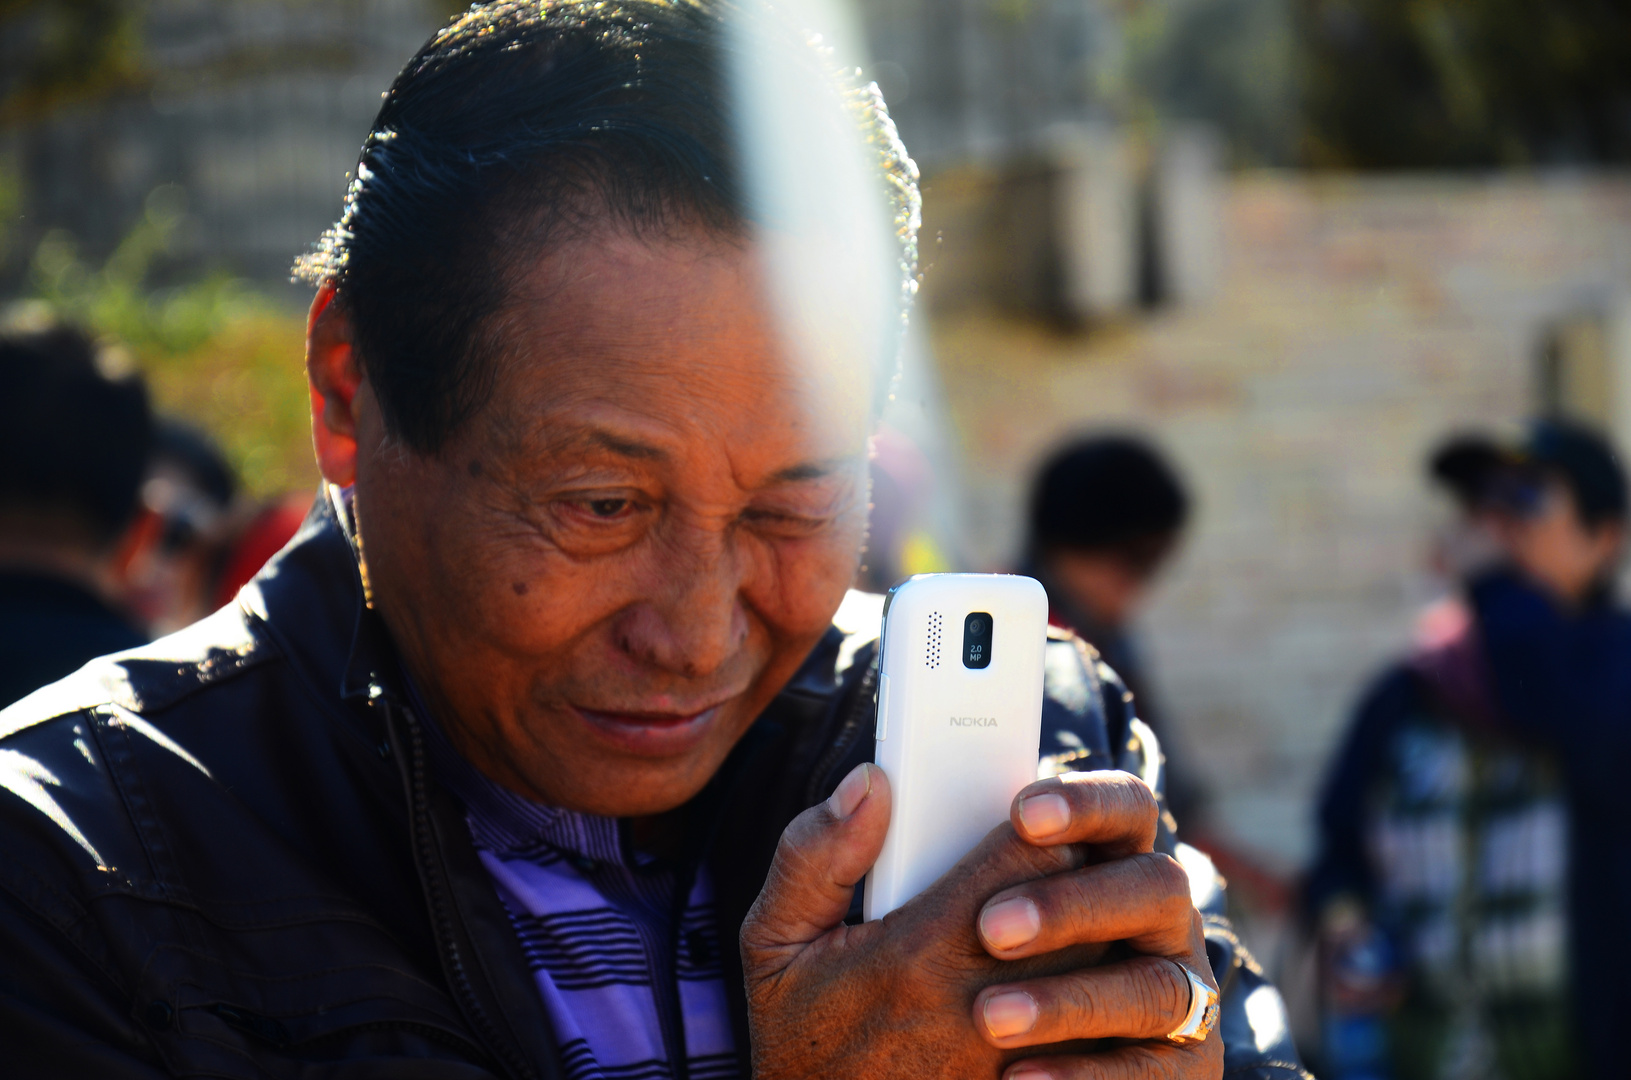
column 824, row 223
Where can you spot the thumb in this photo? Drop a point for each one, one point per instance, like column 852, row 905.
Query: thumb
column 822, row 854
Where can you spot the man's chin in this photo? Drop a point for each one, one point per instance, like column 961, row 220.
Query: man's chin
column 614, row 764
column 625, row 787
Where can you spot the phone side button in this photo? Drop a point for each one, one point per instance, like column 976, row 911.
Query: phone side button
column 882, row 726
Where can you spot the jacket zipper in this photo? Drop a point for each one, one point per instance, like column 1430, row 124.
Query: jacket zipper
column 441, row 916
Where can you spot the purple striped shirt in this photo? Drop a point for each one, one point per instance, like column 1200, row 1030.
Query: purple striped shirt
column 624, row 947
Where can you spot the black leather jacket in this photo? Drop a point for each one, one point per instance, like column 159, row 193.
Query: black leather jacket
column 223, row 854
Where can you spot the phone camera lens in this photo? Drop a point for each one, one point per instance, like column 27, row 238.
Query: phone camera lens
column 977, row 640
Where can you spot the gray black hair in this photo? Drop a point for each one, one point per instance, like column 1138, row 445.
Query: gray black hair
column 518, row 125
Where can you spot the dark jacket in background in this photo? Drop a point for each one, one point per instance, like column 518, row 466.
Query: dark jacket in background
column 225, row 854
column 49, row 627
column 1443, row 836
column 1564, row 681
column 1558, row 684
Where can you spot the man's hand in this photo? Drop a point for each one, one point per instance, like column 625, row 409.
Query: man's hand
column 1060, row 929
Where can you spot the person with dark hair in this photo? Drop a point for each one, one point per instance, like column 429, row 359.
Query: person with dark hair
column 1471, row 875
column 73, row 446
column 191, row 489
column 1558, row 643
column 1106, row 513
column 213, row 538
column 537, row 752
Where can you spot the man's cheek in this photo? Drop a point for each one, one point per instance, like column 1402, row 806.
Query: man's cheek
column 524, row 595
column 811, row 583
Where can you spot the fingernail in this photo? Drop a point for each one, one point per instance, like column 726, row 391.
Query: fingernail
column 1029, row 1072
column 1011, row 1013
column 1011, row 923
column 1045, row 814
column 852, row 790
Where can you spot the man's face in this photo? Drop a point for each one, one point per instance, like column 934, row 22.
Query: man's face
column 607, row 574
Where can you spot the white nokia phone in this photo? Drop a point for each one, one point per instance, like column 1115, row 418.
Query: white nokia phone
column 959, row 720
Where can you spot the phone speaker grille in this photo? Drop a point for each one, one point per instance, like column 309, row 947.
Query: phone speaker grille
column 931, row 654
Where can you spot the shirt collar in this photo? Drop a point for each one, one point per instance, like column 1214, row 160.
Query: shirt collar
column 506, row 823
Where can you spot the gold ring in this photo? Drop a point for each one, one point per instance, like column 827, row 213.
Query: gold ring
column 1203, row 1011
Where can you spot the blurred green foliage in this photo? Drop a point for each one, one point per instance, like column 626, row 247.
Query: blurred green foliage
column 1392, row 84
column 213, row 350
column 54, row 52
column 1230, row 63
column 1436, row 83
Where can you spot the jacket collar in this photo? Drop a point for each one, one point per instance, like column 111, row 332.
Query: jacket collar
column 310, row 599
column 371, row 667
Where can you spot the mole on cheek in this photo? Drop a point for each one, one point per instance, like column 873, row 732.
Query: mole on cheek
column 520, row 588
column 475, row 468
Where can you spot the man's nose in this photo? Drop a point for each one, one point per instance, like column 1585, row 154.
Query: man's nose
column 694, row 620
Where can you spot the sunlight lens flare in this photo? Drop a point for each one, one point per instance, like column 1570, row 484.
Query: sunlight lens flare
column 834, row 195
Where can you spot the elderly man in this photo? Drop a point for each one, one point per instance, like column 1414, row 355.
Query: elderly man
column 536, row 753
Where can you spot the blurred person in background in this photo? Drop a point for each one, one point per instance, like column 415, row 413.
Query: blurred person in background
column 259, row 534
column 1106, row 514
column 74, row 443
column 1462, row 855
column 191, row 489
column 1558, row 642
column 213, row 537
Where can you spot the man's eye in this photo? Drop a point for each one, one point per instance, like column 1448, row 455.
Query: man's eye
column 607, row 508
column 782, row 522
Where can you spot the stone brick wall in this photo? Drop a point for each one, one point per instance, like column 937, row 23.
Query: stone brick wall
column 1357, row 321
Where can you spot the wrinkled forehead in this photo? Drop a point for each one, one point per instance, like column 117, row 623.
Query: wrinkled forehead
column 683, row 328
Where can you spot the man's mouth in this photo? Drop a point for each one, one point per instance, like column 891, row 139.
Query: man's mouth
column 651, row 734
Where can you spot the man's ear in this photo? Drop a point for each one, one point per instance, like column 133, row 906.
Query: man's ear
column 334, row 375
